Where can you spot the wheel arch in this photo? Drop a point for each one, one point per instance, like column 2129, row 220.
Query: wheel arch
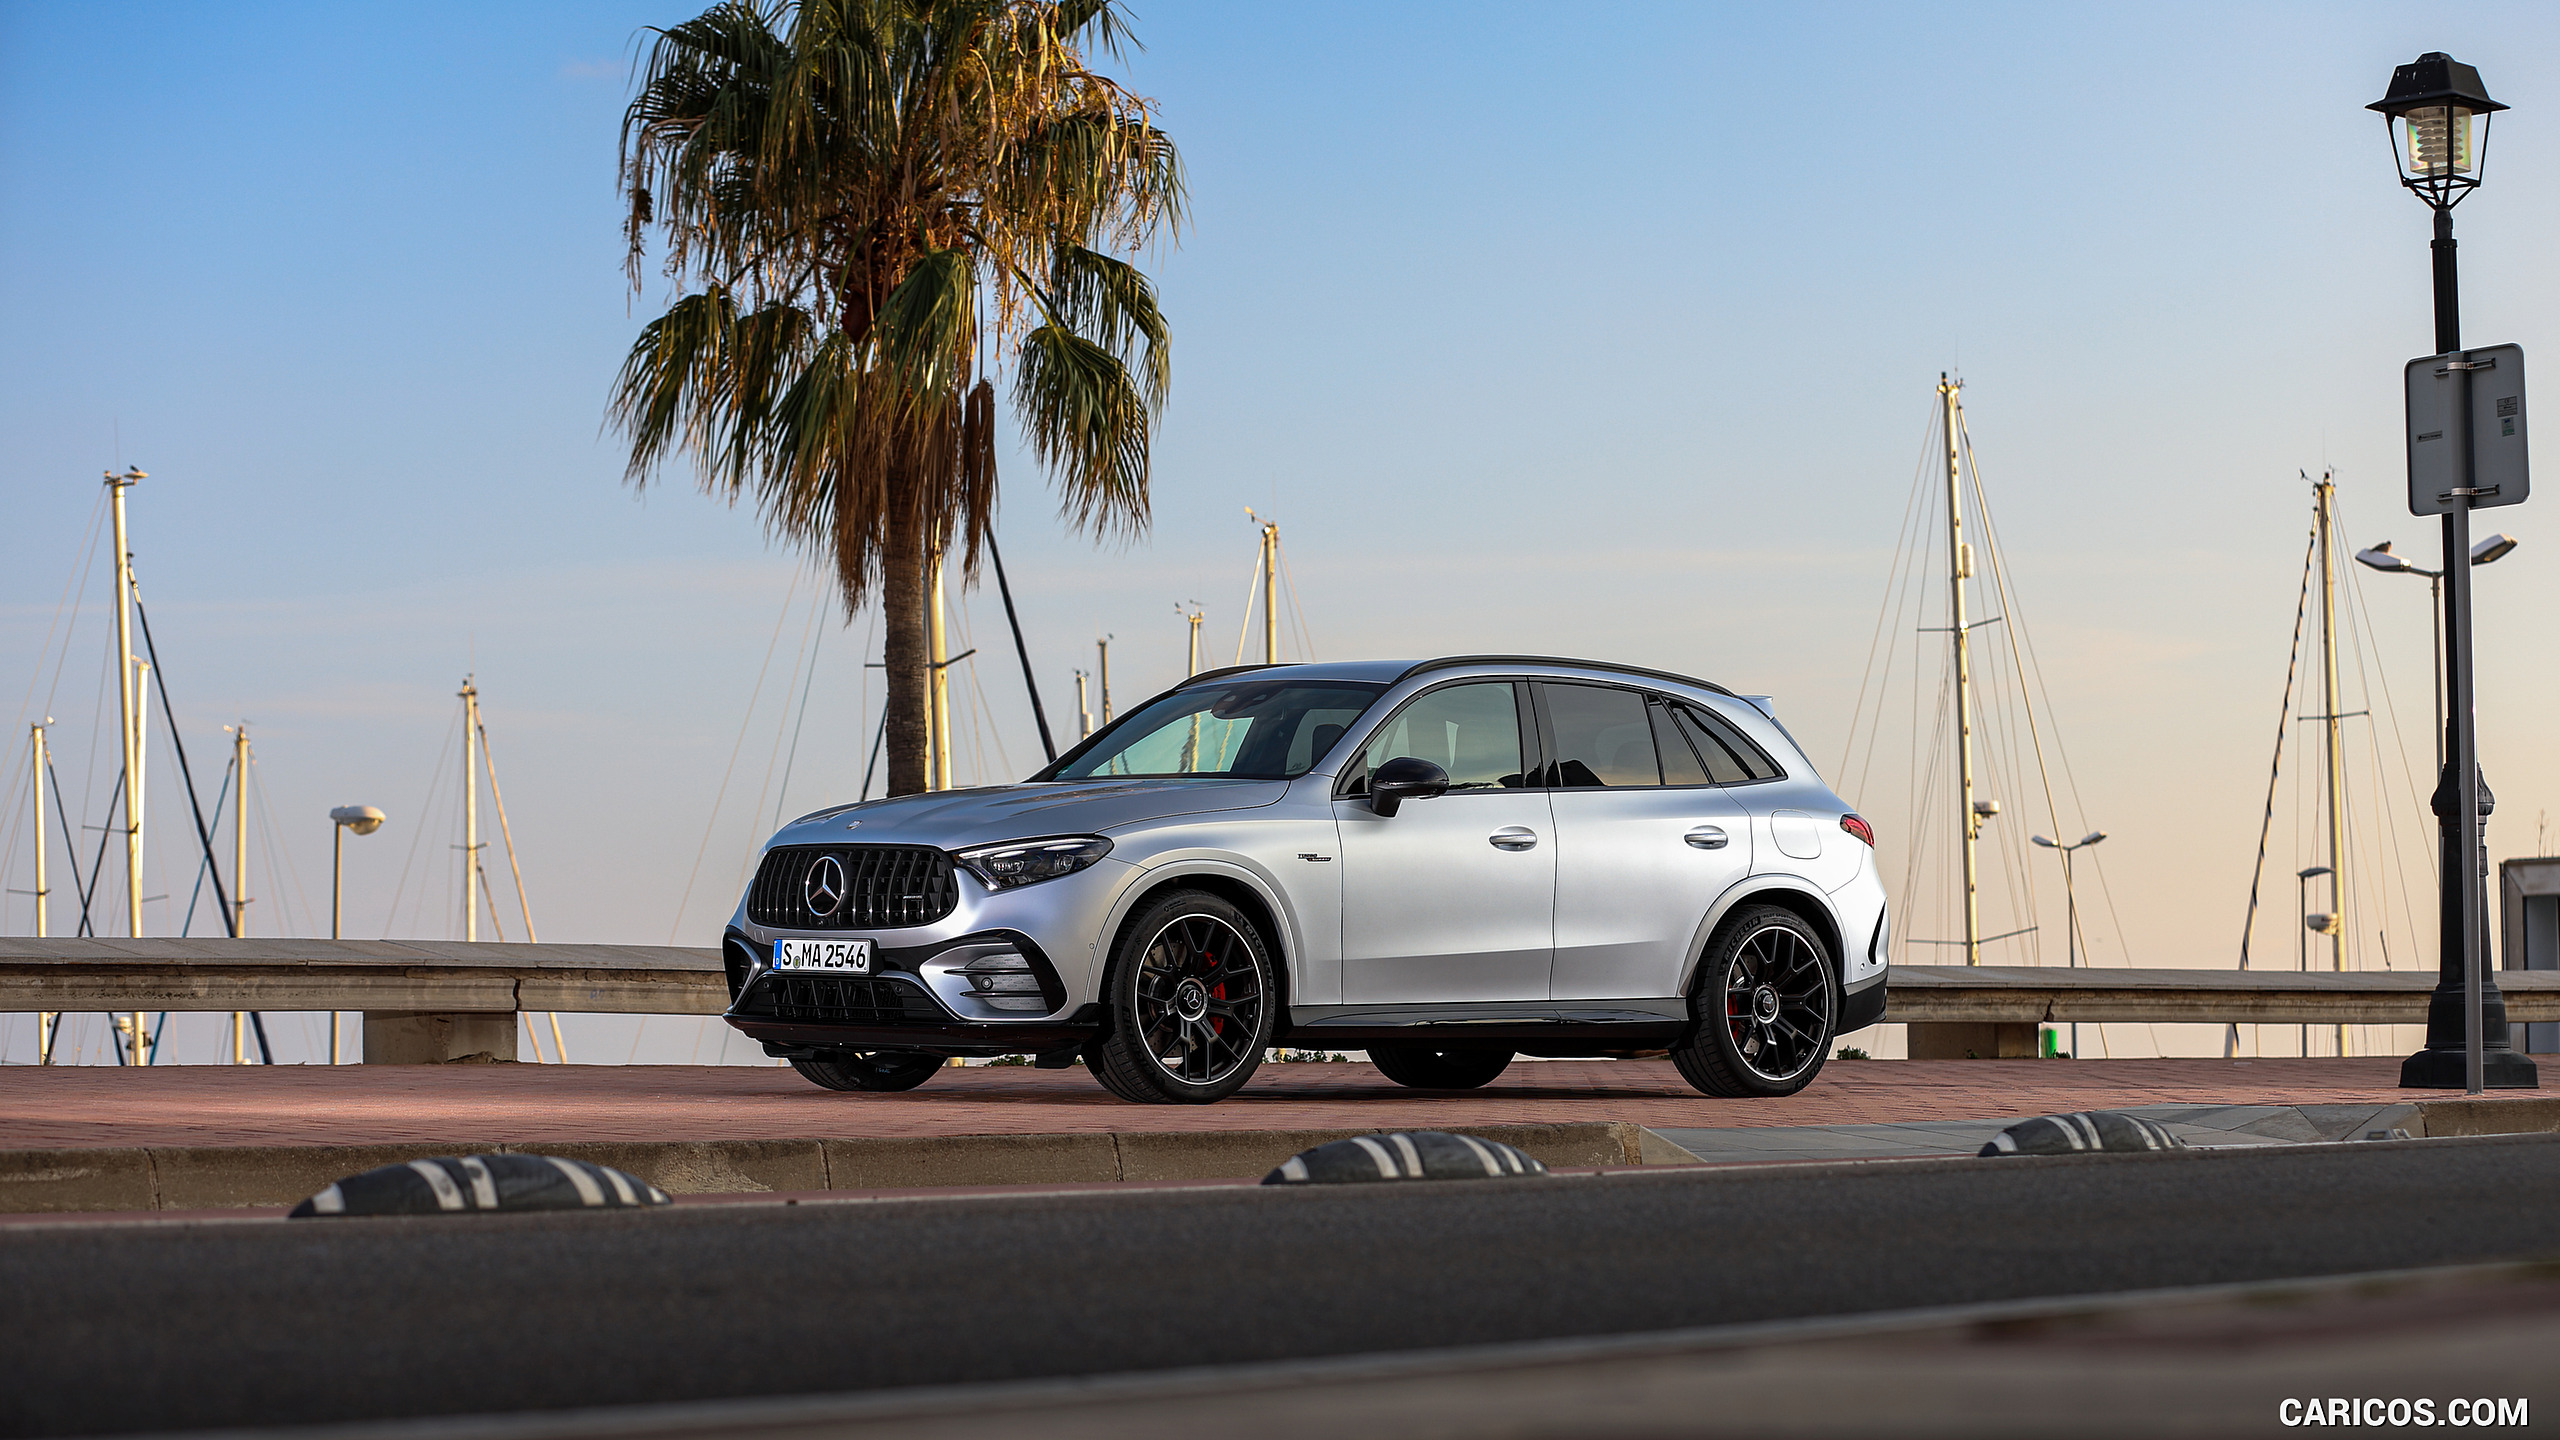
column 1228, row 885
column 1778, row 890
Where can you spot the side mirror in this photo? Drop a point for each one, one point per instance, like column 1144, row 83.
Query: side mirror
column 1405, row 778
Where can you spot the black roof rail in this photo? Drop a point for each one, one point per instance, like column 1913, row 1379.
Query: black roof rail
column 1451, row 662
column 1224, row 671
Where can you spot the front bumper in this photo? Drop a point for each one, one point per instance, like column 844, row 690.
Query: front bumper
column 914, row 998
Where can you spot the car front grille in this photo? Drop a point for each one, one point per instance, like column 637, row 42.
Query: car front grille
column 886, row 887
column 844, row 999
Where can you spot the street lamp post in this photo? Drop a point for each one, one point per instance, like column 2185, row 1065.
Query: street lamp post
column 364, row 820
column 2428, row 115
column 2070, row 904
column 2381, row 558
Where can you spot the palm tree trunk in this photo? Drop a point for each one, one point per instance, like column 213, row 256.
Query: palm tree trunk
column 902, row 581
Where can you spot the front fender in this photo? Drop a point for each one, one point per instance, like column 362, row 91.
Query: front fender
column 1174, row 867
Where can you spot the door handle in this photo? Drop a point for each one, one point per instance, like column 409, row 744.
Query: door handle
column 1707, row 837
column 1513, row 837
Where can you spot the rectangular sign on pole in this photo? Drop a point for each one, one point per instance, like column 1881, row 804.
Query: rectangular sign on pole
column 2494, row 379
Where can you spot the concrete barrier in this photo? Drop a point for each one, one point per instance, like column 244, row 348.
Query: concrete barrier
column 430, row 1001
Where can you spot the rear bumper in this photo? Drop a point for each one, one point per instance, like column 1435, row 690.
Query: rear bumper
column 1863, row 1004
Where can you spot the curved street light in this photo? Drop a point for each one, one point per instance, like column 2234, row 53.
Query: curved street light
column 2071, row 907
column 364, row 820
column 2380, row 557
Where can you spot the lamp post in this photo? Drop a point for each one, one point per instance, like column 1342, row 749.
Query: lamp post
column 2381, row 558
column 2428, row 115
column 2070, row 902
column 364, row 820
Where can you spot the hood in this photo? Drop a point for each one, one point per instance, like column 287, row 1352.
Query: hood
column 958, row 819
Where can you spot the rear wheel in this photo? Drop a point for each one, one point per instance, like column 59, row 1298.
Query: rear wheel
column 1425, row 1067
column 1191, row 995
column 1766, row 1004
column 869, row 1069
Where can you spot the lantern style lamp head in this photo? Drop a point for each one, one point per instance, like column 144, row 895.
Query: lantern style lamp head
column 2433, row 101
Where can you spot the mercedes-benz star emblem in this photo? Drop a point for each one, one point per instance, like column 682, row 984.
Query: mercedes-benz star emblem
column 824, row 888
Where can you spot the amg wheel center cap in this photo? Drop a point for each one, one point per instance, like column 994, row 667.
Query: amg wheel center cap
column 1191, row 1000
column 1764, row 1004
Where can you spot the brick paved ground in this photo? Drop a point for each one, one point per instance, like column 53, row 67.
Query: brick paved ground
column 357, row 1104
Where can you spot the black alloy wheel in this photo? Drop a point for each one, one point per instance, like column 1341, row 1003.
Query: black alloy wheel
column 1427, row 1067
column 1766, row 1007
column 875, row 1070
column 1191, row 997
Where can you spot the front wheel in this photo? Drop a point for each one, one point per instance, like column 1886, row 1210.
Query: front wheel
column 1425, row 1067
column 1192, row 996
column 875, row 1070
column 1766, row 1005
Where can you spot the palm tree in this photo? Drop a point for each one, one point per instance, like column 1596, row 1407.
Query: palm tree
column 871, row 210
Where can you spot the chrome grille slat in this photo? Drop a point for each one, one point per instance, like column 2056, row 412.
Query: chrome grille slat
column 888, row 887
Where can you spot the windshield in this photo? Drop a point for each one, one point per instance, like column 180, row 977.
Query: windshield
column 1242, row 730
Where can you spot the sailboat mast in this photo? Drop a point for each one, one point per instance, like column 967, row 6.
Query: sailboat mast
column 940, row 691
column 1959, row 567
column 2325, row 495
column 240, row 872
column 35, row 790
column 470, row 810
column 1271, row 594
column 128, row 707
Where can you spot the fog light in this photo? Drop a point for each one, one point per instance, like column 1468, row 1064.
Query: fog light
column 1005, row 981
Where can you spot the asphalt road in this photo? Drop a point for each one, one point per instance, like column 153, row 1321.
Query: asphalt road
column 173, row 1325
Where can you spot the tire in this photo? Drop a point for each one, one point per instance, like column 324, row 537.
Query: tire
column 1767, row 1000
column 1424, row 1067
column 874, row 1070
column 1192, row 998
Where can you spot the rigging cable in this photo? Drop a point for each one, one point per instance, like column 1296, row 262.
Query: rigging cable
column 2275, row 771
column 427, row 812
column 720, row 796
column 73, row 594
column 1876, row 641
column 524, row 903
column 1030, row 686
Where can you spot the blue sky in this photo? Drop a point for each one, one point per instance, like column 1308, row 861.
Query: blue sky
column 1599, row 332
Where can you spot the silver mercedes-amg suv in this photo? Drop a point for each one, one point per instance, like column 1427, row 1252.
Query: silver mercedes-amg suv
column 1446, row 864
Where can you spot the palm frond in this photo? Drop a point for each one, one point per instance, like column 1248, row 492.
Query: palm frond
column 927, row 329
column 1112, row 303
column 1085, row 420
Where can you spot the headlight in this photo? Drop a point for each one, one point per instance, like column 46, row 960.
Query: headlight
column 1028, row 862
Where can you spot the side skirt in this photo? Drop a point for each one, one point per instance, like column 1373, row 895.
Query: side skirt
column 1536, row 1026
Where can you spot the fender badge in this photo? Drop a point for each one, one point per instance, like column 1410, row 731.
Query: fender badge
column 853, row 825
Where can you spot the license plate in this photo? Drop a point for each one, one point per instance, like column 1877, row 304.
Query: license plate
column 851, row 956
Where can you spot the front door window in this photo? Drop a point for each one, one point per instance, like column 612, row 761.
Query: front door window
column 1451, row 898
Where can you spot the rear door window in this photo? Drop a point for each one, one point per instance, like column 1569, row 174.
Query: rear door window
column 1602, row 738
column 1730, row 756
column 1680, row 763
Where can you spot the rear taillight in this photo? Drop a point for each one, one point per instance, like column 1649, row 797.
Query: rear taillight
column 1860, row 828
